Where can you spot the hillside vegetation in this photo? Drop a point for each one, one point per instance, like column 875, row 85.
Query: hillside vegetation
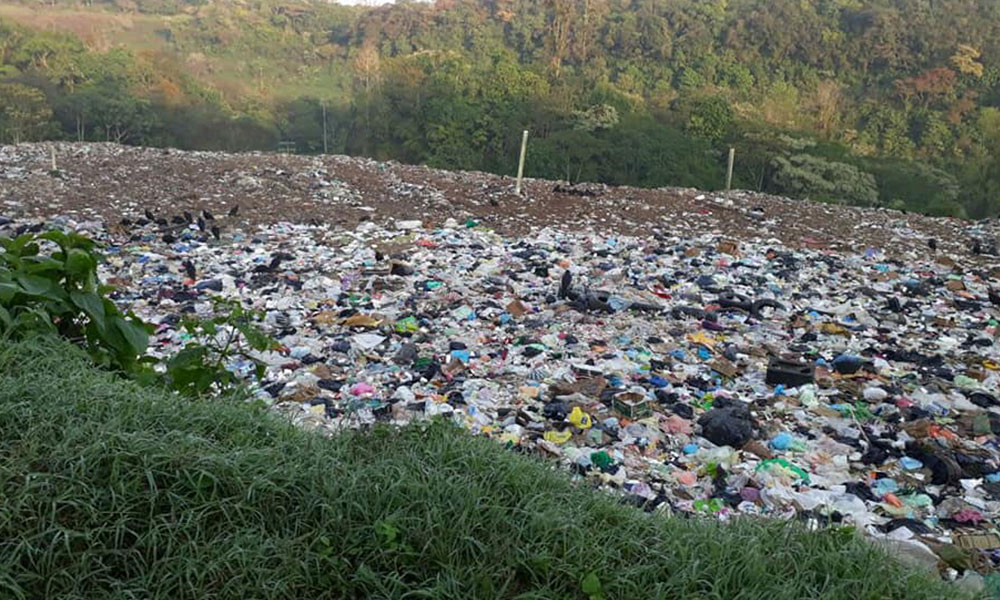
column 871, row 102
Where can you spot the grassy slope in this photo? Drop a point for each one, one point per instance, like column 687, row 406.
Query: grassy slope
column 222, row 68
column 111, row 491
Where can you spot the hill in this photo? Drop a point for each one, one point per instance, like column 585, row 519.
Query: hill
column 870, row 102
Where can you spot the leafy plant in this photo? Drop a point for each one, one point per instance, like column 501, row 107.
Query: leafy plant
column 229, row 336
column 591, row 586
column 48, row 282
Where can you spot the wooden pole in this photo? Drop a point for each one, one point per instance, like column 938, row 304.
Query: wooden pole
column 520, row 164
column 729, row 170
column 53, row 149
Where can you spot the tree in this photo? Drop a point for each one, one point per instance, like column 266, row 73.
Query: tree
column 710, row 118
column 826, row 102
column 24, row 112
column 965, row 60
column 807, row 176
column 112, row 115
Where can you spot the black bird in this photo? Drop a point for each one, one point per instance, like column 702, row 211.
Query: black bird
column 169, row 238
column 977, row 247
column 161, row 222
column 177, row 220
column 994, row 297
column 189, row 269
column 149, row 215
column 234, row 210
column 188, row 217
column 932, row 243
column 201, row 224
column 566, row 284
column 126, row 222
column 208, row 216
column 216, row 232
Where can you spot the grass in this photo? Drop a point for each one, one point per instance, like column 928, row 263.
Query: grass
column 113, row 491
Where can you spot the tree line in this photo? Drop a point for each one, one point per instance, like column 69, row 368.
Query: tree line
column 870, row 102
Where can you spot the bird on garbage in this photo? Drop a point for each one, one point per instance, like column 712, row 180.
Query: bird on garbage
column 977, row 247
column 169, row 238
column 189, row 269
column 177, row 220
column 994, row 297
column 234, row 210
column 161, row 222
column 201, row 224
column 208, row 216
column 216, row 232
column 565, row 284
column 188, row 217
column 149, row 215
column 126, row 222
column 932, row 243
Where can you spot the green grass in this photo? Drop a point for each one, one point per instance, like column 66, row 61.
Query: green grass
column 112, row 491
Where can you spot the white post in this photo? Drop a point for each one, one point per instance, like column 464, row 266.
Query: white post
column 520, row 164
column 729, row 171
column 53, row 151
column 324, row 127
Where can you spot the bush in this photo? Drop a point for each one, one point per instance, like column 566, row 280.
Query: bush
column 48, row 282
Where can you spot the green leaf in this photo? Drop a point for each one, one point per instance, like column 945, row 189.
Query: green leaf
column 8, row 291
column 90, row 303
column 591, row 585
column 42, row 264
column 83, row 242
column 187, row 358
column 55, row 236
column 41, row 287
column 135, row 335
column 79, row 263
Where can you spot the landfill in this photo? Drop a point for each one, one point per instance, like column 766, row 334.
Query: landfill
column 710, row 355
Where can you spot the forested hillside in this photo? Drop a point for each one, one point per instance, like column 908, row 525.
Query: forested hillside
column 872, row 102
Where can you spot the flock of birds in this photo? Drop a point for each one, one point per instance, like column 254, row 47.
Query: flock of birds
column 206, row 221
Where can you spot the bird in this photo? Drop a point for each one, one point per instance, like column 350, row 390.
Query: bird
column 177, row 220
column 169, row 238
column 566, row 284
column 208, row 216
column 188, row 217
column 216, row 232
column 201, row 224
column 161, row 222
column 977, row 247
column 149, row 215
column 234, row 210
column 189, row 269
column 932, row 243
column 994, row 297
column 126, row 222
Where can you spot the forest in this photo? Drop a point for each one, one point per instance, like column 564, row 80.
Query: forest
column 892, row 103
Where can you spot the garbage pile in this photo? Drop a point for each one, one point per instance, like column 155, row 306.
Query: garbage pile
column 689, row 370
column 108, row 181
